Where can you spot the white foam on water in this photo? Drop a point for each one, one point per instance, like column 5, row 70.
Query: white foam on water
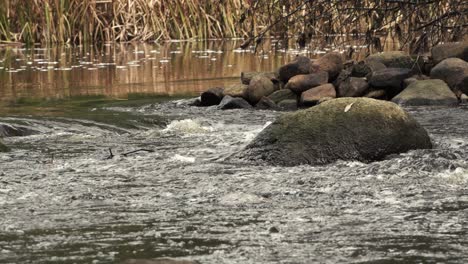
column 184, row 159
column 186, row 126
column 459, row 176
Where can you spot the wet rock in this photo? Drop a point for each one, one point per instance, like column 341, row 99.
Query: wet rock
column 212, row 96
column 450, row 50
column 343, row 76
column 230, row 102
column 3, row 148
column 426, row 92
column 413, row 78
column 390, row 79
column 463, row 85
column 341, row 129
column 353, row 87
column 452, row 71
column 312, row 96
column 289, row 104
column 246, row 77
column 304, row 82
column 377, row 94
column 392, row 59
column 236, row 90
column 194, row 102
column 301, row 65
column 259, row 87
column 159, row 261
column 283, row 94
column 266, row 104
column 365, row 69
column 464, row 99
column 273, row 229
column 15, row 131
column 332, row 63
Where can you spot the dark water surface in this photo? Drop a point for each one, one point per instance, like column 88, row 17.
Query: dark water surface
column 63, row 201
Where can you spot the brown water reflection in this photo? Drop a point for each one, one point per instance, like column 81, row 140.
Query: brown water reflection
column 117, row 70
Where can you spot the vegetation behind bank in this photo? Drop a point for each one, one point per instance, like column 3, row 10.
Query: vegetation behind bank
column 413, row 23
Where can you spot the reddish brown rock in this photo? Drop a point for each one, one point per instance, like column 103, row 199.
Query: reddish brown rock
column 314, row 95
column 304, row 82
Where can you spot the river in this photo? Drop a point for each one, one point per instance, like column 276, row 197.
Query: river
column 73, row 191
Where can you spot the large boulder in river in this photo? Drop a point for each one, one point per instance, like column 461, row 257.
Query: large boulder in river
column 426, row 92
column 450, row 50
column 259, row 87
column 341, row 129
column 390, row 79
column 332, row 63
column 392, row 59
column 301, row 65
column 304, row 82
column 451, row 70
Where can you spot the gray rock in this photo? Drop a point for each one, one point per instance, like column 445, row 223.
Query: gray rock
column 304, row 82
column 426, row 92
column 212, row 96
column 283, row 94
column 259, row 87
column 266, row 104
column 230, row 102
column 377, row 94
column 332, row 63
column 288, row 105
column 450, row 50
column 343, row 76
column 462, row 86
column 352, row 87
column 301, row 65
column 390, row 79
column 341, row 129
column 313, row 96
column 452, row 71
column 365, row 69
column 392, row 59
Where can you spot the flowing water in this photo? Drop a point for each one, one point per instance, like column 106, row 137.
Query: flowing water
column 65, row 198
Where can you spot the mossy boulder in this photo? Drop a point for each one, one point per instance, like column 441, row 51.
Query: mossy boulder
column 3, row 148
column 426, row 92
column 360, row 129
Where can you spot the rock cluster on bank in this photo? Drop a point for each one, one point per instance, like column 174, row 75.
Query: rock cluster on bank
column 361, row 125
column 305, row 82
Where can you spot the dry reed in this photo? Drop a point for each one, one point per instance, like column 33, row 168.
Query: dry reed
column 414, row 23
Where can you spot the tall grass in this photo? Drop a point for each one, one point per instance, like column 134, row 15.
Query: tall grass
column 414, row 23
